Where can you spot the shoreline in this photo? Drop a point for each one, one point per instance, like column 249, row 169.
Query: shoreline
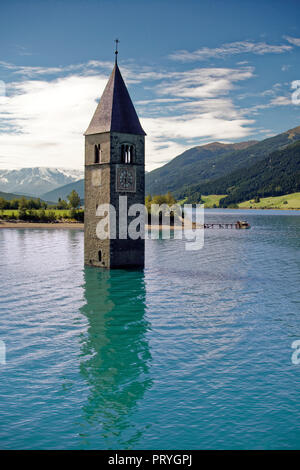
column 80, row 225
column 73, row 225
column 64, row 225
column 260, row 208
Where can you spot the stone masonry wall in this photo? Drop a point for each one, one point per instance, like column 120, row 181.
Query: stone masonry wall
column 100, row 188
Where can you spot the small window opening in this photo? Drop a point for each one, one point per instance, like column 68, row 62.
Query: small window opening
column 127, row 153
column 97, row 150
column 100, row 255
column 123, row 153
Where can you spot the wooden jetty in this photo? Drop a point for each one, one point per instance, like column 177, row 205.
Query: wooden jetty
column 181, row 222
column 239, row 224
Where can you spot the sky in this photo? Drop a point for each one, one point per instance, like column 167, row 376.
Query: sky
column 197, row 72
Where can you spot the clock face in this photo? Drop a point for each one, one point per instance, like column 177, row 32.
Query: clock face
column 126, row 179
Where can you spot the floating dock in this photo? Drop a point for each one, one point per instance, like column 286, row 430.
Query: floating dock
column 240, row 224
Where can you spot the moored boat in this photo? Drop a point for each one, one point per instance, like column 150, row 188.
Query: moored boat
column 242, row 224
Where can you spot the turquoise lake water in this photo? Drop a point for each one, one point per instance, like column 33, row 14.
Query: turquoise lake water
column 194, row 352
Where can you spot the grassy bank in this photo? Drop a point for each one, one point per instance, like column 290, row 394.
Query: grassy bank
column 42, row 215
column 210, row 201
column 65, row 213
column 288, row 201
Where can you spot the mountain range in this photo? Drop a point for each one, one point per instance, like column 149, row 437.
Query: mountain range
column 63, row 191
column 37, row 181
column 196, row 163
column 276, row 175
column 205, row 169
column 206, row 163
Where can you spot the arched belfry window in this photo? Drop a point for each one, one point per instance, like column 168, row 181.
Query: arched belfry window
column 127, row 153
column 97, row 154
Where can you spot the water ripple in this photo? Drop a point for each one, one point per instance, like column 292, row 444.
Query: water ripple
column 194, row 352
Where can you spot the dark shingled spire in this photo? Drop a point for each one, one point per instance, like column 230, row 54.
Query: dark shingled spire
column 115, row 111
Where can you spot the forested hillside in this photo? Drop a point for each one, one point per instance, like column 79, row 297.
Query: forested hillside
column 277, row 174
column 193, row 165
column 209, row 162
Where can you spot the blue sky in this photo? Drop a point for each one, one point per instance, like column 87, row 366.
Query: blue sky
column 197, row 71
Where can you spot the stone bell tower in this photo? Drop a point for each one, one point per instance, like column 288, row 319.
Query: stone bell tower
column 114, row 166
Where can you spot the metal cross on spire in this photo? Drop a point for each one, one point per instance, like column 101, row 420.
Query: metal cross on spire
column 116, row 51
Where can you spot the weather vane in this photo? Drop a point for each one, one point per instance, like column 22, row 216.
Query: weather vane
column 116, row 51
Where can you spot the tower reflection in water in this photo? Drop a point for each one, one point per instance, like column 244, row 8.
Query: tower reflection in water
column 115, row 353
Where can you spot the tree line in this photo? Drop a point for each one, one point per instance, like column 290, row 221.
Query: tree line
column 36, row 210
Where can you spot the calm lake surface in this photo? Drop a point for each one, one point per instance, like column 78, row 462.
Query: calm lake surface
column 194, row 352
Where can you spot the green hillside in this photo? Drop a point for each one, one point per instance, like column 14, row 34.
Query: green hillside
column 11, row 196
column 287, row 201
column 192, row 171
column 189, row 167
column 212, row 200
column 209, row 162
column 276, row 175
column 63, row 191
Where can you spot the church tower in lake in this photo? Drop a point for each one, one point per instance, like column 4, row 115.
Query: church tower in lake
column 114, row 166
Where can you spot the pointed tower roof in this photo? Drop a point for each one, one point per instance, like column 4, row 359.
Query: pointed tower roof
column 115, row 111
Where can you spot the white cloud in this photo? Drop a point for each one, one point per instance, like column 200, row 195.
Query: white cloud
column 201, row 115
column 204, row 82
column 294, row 41
column 205, row 128
column 42, row 120
column 281, row 101
column 48, row 119
column 232, row 48
column 159, row 100
column 36, row 71
column 276, row 97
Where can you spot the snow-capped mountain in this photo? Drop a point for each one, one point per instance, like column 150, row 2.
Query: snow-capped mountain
column 36, row 181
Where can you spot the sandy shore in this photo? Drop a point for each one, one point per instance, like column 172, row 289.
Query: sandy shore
column 40, row 225
column 74, row 225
